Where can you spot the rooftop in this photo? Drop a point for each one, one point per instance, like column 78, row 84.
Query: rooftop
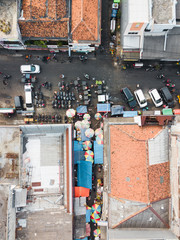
column 44, row 19
column 132, row 177
column 8, row 20
column 85, row 20
column 163, row 11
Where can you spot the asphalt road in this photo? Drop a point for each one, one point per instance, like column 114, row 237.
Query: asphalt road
column 101, row 67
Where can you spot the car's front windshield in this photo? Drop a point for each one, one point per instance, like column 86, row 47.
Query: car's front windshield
column 33, row 68
column 158, row 100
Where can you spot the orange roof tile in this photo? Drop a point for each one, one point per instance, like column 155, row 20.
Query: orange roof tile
column 131, row 176
column 159, row 181
column 136, row 26
column 44, row 19
column 85, row 20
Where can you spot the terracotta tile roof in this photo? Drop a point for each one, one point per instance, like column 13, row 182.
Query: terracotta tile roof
column 85, row 20
column 44, row 19
column 131, row 176
column 159, row 181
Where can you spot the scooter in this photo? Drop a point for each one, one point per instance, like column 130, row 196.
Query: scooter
column 86, row 76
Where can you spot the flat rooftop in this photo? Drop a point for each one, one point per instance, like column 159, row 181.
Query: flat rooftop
column 8, row 20
column 9, row 154
column 163, row 11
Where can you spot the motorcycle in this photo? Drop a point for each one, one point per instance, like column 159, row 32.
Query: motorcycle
column 86, row 76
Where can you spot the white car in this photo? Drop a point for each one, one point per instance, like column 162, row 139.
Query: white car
column 156, row 98
column 28, row 96
column 30, row 69
column 140, row 98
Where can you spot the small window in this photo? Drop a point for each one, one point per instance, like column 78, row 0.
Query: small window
column 132, row 32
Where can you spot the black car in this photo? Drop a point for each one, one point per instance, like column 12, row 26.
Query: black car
column 167, row 97
column 129, row 98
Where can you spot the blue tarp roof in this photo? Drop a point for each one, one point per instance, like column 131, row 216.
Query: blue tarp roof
column 78, row 146
column 84, row 174
column 83, row 136
column 130, row 113
column 82, row 238
column 117, row 110
column 98, row 153
column 81, row 109
column 103, row 107
column 78, row 156
column 88, row 214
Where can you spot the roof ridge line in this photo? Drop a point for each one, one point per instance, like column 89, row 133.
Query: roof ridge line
column 81, row 18
column 88, row 29
column 158, row 216
column 133, row 215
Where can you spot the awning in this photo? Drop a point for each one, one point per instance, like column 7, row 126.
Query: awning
column 103, row 107
column 88, row 214
column 84, row 174
column 81, row 109
column 167, row 111
column 130, row 113
column 176, row 111
column 78, row 146
column 98, row 153
column 117, row 110
column 81, row 192
column 78, row 156
column 7, row 110
column 82, row 238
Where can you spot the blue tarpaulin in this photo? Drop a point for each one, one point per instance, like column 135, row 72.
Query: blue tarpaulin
column 98, row 153
column 83, row 136
column 78, row 156
column 78, row 146
column 84, row 174
column 81, row 109
column 130, row 113
column 78, row 151
column 88, row 214
column 82, row 238
column 103, row 107
column 114, row 13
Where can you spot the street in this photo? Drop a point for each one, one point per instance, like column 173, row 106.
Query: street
column 101, row 67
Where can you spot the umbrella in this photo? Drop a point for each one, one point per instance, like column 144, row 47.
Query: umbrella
column 78, row 124
column 89, row 153
column 86, row 116
column 98, row 131
column 96, row 208
column 70, row 113
column 99, row 139
column 97, row 232
column 87, row 145
column 97, row 116
column 90, row 159
column 95, row 217
column 89, row 133
column 85, row 124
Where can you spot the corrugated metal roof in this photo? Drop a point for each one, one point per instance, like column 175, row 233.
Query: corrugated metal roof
column 158, row 148
column 20, row 197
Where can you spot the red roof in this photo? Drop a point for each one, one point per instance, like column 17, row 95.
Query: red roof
column 85, row 20
column 131, row 176
column 44, row 19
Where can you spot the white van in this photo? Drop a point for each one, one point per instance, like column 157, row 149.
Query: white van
column 28, row 96
column 156, row 98
column 140, row 98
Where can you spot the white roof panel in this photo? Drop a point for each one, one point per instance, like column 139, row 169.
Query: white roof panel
column 131, row 42
column 138, row 11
